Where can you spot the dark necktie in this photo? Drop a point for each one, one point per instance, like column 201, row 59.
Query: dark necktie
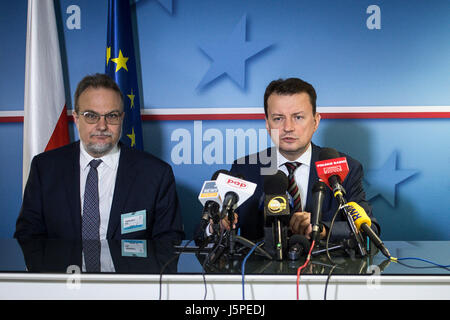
column 292, row 186
column 91, row 220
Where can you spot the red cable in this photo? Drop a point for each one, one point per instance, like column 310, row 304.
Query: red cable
column 303, row 266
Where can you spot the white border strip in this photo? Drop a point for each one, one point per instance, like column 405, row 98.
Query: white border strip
column 229, row 278
column 18, row 113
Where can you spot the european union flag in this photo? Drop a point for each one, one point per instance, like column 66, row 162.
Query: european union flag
column 121, row 66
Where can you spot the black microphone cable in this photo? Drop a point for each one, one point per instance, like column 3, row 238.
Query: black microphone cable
column 328, row 280
column 328, row 252
column 167, row 263
column 327, row 243
column 208, row 256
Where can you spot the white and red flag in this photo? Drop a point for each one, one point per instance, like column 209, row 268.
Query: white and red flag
column 45, row 124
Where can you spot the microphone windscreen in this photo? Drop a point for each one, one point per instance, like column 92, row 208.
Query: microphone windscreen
column 299, row 239
column 216, row 174
column 359, row 215
column 328, row 153
column 276, row 183
column 319, row 186
column 237, row 175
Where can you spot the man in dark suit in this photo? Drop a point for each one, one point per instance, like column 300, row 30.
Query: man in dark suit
column 98, row 188
column 291, row 120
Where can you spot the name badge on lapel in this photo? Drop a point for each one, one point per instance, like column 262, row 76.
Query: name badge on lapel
column 133, row 221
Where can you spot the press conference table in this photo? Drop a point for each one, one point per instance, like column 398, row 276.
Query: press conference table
column 54, row 269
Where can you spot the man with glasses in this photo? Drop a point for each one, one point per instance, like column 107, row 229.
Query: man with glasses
column 97, row 188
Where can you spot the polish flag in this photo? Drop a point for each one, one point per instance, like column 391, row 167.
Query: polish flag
column 45, row 124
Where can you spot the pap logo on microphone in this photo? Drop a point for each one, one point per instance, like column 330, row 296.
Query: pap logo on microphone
column 236, row 183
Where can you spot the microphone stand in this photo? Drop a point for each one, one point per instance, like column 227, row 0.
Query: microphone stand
column 361, row 250
column 248, row 244
column 330, row 249
column 233, row 238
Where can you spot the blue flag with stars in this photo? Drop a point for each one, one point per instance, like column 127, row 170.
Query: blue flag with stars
column 121, row 66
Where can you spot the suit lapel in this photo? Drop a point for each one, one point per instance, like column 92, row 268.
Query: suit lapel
column 313, row 177
column 71, row 178
column 126, row 173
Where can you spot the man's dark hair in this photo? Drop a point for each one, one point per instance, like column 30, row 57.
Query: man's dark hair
column 290, row 86
column 97, row 80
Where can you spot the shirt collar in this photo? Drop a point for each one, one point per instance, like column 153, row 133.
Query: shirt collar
column 111, row 159
column 304, row 159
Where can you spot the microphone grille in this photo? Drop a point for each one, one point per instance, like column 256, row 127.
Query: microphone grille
column 238, row 175
column 297, row 238
column 276, row 183
column 216, row 174
column 319, row 186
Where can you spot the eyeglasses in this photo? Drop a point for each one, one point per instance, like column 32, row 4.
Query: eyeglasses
column 111, row 118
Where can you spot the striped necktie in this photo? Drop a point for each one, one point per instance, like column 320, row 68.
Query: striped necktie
column 292, row 185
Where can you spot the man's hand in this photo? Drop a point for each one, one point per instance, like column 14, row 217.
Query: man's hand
column 224, row 223
column 300, row 223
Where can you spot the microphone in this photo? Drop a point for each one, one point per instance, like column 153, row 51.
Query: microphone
column 209, row 195
column 216, row 174
column 363, row 222
column 333, row 169
column 210, row 199
column 276, row 211
column 318, row 194
column 276, row 200
column 234, row 191
column 298, row 246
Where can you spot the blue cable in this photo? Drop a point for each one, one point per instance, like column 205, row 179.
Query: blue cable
column 423, row 260
column 243, row 267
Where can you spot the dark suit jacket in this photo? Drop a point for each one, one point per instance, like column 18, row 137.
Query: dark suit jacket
column 51, row 206
column 251, row 215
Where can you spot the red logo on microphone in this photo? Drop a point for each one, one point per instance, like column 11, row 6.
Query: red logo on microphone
column 236, row 183
column 335, row 169
column 327, row 168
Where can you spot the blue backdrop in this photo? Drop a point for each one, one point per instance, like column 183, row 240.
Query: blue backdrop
column 222, row 54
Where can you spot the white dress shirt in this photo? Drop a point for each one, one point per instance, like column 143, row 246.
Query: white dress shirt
column 301, row 173
column 107, row 172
